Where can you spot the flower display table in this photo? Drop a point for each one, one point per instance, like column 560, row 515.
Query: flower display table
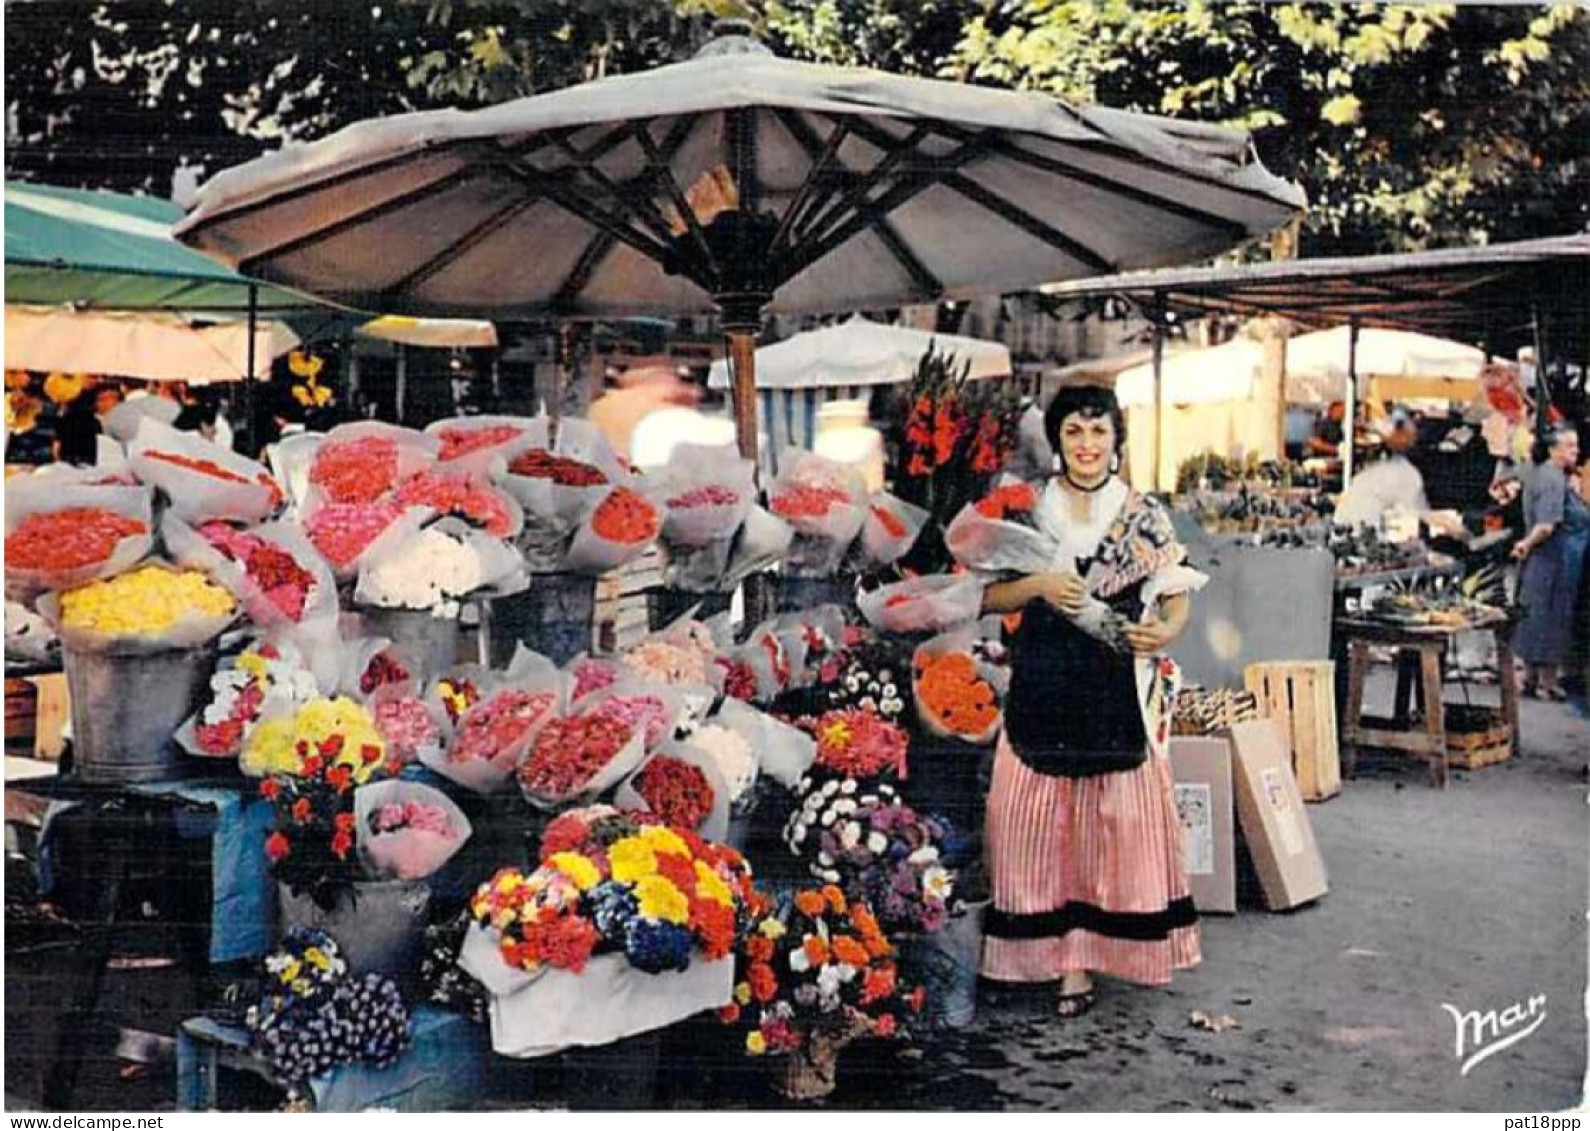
column 444, row 1069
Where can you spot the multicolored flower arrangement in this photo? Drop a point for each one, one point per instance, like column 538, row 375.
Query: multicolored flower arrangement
column 608, row 883
column 314, row 1015
column 265, row 673
column 313, row 760
column 817, row 970
column 857, row 743
column 876, row 848
column 279, row 577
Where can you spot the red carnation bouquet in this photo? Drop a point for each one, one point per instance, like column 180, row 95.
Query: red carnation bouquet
column 273, row 570
column 60, row 537
column 364, row 463
column 347, row 534
column 465, row 496
column 492, row 736
column 200, row 479
column 558, row 478
column 1004, row 531
column 480, row 444
column 617, row 531
column 676, row 791
column 826, row 503
column 578, row 757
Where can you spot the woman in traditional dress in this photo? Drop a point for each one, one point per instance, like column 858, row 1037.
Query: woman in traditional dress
column 1083, row 840
column 1556, row 529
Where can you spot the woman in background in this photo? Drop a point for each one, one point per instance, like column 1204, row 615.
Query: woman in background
column 1556, row 532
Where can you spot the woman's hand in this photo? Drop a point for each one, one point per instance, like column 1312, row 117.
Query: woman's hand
column 1065, row 591
column 1149, row 639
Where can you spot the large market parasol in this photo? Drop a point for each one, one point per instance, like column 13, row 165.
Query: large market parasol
column 734, row 183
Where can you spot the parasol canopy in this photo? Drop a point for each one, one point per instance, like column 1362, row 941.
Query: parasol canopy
column 1317, row 364
column 152, row 345
column 860, row 352
column 736, row 183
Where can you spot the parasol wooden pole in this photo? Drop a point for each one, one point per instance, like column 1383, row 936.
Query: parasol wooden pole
column 742, row 369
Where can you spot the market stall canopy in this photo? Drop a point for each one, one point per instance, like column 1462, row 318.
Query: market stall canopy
column 152, row 345
column 1480, row 294
column 114, row 252
column 735, row 179
column 431, row 333
column 1317, row 364
column 860, row 352
column 1207, row 376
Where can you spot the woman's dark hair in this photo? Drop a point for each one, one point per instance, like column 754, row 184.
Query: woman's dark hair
column 78, row 431
column 1088, row 402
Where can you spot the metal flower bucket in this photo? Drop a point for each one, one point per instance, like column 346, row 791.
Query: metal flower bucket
column 127, row 707
column 379, row 924
column 431, row 642
column 554, row 617
column 946, row 962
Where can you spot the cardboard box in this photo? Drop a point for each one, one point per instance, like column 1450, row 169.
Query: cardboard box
column 1201, row 768
column 1275, row 826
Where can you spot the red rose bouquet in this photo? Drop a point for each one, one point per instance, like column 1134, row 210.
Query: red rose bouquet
column 60, row 537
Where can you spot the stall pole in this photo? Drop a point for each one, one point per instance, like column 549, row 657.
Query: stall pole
column 248, row 374
column 742, row 364
column 1350, row 416
column 402, row 379
column 1159, row 390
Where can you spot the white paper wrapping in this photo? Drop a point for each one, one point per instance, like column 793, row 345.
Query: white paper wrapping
column 409, row 854
column 939, row 603
column 195, row 496
column 27, row 495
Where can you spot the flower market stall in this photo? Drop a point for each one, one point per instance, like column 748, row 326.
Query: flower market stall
column 771, row 826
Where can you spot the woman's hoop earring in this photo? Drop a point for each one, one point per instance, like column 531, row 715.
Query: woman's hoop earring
column 1115, row 463
column 1057, row 463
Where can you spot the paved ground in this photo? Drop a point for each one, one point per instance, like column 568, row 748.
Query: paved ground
column 1475, row 896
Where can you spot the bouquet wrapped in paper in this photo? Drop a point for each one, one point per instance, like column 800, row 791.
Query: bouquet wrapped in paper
column 60, row 537
column 589, row 674
column 155, row 607
column 577, row 757
column 263, row 678
column 558, row 483
column 406, row 830
column 1003, row 532
column 413, row 728
column 890, row 529
column 680, row 785
column 683, row 653
column 764, row 541
column 619, row 529
column 936, row 603
column 202, row 480
column 483, row 445
column 366, row 462
column 618, row 911
column 708, row 492
column 653, row 708
column 349, row 534
column 826, row 503
column 958, row 686
column 491, row 737
column 290, row 461
column 783, row 752
column 273, row 570
column 437, row 568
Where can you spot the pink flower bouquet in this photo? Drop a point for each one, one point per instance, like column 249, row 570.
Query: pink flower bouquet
column 405, row 830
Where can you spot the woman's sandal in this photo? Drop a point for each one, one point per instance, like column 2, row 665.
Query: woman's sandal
column 1075, row 1005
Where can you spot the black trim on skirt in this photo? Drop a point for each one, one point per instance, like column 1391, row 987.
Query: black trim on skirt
column 1137, row 926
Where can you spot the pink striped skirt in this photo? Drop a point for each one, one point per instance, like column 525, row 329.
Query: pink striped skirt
column 1087, row 875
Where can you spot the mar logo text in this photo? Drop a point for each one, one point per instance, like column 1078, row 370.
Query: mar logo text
column 1482, row 1035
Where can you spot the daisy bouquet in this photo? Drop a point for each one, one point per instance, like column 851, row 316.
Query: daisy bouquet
column 857, row 743
column 877, row 849
column 825, row 502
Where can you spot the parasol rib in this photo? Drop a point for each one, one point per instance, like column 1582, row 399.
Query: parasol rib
column 660, row 165
column 895, row 151
column 1027, row 222
column 819, row 172
column 460, row 247
column 574, row 203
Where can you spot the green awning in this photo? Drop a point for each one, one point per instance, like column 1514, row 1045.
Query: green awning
column 113, row 252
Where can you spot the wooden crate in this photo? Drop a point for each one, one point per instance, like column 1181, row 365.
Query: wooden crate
column 1300, row 696
column 1476, row 736
column 22, row 705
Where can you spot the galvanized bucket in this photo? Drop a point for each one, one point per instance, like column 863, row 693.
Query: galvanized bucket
column 379, row 924
column 125, row 709
column 431, row 642
column 553, row 617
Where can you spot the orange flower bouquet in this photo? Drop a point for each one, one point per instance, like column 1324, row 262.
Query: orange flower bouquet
column 958, row 688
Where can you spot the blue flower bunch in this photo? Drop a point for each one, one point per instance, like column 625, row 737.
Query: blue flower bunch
column 655, row 947
column 315, row 1015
